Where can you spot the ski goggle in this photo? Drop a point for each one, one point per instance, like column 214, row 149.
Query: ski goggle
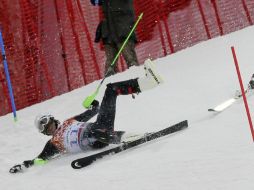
column 44, row 121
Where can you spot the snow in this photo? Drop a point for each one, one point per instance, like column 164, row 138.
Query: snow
column 214, row 153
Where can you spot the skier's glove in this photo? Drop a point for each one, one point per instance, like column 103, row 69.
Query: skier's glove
column 28, row 163
column 95, row 104
column 251, row 84
column 17, row 168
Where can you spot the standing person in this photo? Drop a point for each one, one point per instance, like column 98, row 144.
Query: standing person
column 76, row 134
column 119, row 18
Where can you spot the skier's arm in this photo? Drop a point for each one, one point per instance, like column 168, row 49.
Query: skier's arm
column 88, row 114
column 47, row 153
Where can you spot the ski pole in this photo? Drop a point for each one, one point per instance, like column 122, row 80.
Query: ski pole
column 7, row 75
column 89, row 99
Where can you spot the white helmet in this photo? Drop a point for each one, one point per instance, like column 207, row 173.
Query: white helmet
column 42, row 120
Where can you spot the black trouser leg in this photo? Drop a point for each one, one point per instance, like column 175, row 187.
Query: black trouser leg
column 129, row 54
column 106, row 116
column 110, row 51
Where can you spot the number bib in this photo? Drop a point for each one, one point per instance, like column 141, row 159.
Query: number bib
column 72, row 137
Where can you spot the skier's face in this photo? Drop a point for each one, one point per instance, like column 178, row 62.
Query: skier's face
column 51, row 128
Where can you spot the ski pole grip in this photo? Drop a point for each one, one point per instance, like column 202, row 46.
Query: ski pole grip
column 88, row 101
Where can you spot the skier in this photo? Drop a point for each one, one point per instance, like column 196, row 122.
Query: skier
column 76, row 134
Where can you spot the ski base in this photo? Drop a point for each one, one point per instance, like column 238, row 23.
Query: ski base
column 85, row 161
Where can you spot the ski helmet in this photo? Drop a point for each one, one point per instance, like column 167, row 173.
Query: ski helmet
column 42, row 120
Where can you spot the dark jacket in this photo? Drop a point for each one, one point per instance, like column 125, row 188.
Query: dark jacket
column 118, row 21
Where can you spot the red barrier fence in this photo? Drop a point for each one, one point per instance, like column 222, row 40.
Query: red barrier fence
column 50, row 45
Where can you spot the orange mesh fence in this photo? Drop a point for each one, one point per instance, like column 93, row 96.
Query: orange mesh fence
column 50, row 45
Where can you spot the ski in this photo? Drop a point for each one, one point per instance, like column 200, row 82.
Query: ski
column 229, row 102
column 238, row 95
column 85, row 161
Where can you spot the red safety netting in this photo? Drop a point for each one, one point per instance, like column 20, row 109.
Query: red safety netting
column 50, row 45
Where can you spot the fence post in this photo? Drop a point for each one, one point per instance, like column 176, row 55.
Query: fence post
column 204, row 19
column 247, row 12
column 217, row 17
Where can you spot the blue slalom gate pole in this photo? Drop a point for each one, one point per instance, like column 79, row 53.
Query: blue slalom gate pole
column 7, row 75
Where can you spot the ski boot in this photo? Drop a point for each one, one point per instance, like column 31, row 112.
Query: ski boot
column 108, row 137
column 251, row 83
column 152, row 77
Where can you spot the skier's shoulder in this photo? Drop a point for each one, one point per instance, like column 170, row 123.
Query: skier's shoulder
column 69, row 122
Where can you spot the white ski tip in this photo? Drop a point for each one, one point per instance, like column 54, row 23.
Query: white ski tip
column 223, row 106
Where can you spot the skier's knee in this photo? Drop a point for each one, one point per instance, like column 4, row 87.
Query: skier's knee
column 111, row 89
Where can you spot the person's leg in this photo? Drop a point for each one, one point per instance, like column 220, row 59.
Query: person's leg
column 129, row 54
column 103, row 128
column 110, row 51
column 106, row 116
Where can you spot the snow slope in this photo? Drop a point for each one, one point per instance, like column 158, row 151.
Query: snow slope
column 214, row 153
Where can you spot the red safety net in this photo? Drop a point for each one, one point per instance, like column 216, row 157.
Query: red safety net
column 50, row 45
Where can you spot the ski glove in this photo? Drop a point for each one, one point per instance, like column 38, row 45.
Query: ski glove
column 20, row 167
column 95, row 104
column 28, row 163
column 251, row 83
column 17, row 168
column 96, row 2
